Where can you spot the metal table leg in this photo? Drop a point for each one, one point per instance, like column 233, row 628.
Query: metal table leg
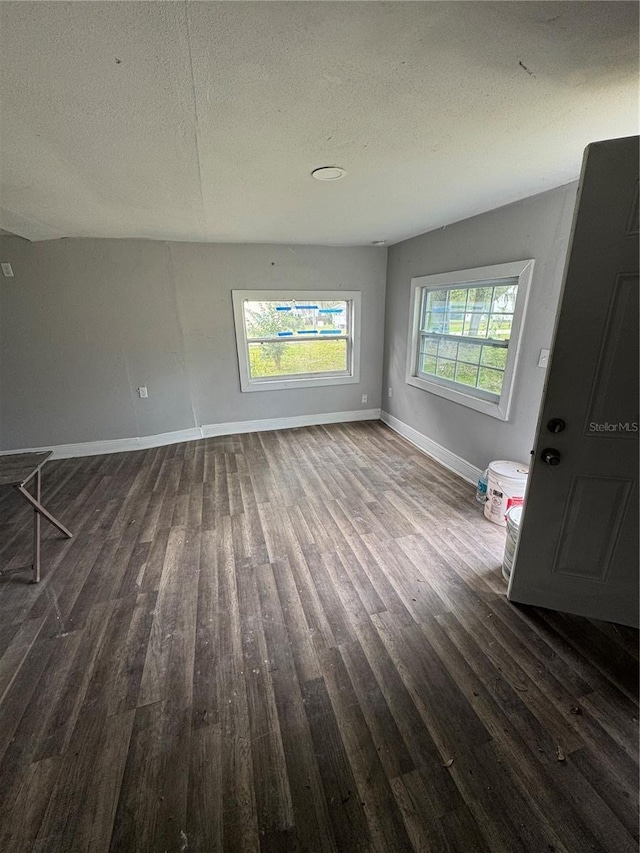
column 38, row 512
column 38, row 508
column 36, row 533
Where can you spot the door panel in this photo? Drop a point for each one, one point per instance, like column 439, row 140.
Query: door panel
column 578, row 548
column 617, row 368
column 586, row 552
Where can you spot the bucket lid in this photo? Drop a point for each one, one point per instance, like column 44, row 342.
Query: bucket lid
column 514, row 516
column 509, row 470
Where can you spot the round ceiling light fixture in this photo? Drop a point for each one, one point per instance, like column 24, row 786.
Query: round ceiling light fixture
column 329, row 173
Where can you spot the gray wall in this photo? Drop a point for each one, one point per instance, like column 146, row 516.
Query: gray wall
column 84, row 322
column 537, row 227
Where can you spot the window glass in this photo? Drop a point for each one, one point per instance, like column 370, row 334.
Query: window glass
column 469, row 352
column 271, row 318
column 464, row 327
column 293, row 339
column 288, row 358
column 490, row 380
column 467, row 374
column 446, row 368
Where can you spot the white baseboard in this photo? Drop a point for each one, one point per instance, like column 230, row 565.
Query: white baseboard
column 210, row 430
column 436, row 451
column 120, row 445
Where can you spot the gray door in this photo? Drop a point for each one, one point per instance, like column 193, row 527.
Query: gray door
column 578, row 549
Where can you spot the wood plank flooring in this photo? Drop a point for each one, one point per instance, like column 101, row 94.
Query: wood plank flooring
column 297, row 641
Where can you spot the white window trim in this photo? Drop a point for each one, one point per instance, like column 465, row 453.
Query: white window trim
column 352, row 375
column 466, row 278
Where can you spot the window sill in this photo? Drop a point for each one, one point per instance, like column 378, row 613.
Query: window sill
column 487, row 407
column 287, row 384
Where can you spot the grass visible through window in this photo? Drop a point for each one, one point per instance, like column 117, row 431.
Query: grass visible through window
column 282, row 359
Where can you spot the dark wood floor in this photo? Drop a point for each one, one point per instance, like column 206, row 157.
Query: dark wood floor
column 297, row 641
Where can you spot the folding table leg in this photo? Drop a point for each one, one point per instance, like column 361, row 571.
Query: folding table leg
column 36, row 534
column 35, row 503
column 39, row 512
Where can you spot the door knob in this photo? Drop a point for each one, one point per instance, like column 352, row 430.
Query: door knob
column 551, row 456
column 556, row 425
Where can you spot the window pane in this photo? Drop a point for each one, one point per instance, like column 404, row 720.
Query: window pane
column 476, row 325
column 446, row 368
column 273, row 318
column 480, row 299
column 455, row 324
column 428, row 364
column 500, row 326
column 457, row 301
column 434, row 323
column 469, row 352
column 288, row 358
column 504, row 299
column 448, row 349
column 494, row 357
column 467, row 374
column 480, row 311
column 490, row 380
column 429, row 346
column 436, row 300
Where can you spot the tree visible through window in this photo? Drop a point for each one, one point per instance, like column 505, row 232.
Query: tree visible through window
column 292, row 338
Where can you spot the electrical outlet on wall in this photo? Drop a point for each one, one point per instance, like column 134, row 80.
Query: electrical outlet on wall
column 7, row 270
column 543, row 361
column 142, row 391
column 364, row 398
column 390, row 391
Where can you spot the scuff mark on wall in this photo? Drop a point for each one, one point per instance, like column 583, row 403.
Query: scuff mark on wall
column 530, row 73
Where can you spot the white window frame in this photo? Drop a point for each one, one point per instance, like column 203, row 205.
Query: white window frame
column 482, row 402
column 353, row 298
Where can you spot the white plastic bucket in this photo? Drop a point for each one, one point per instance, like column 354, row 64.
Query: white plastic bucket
column 514, row 516
column 506, row 487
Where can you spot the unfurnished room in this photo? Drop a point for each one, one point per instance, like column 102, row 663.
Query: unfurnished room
column 319, row 426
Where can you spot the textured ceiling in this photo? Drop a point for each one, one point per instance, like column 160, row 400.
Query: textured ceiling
column 203, row 121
